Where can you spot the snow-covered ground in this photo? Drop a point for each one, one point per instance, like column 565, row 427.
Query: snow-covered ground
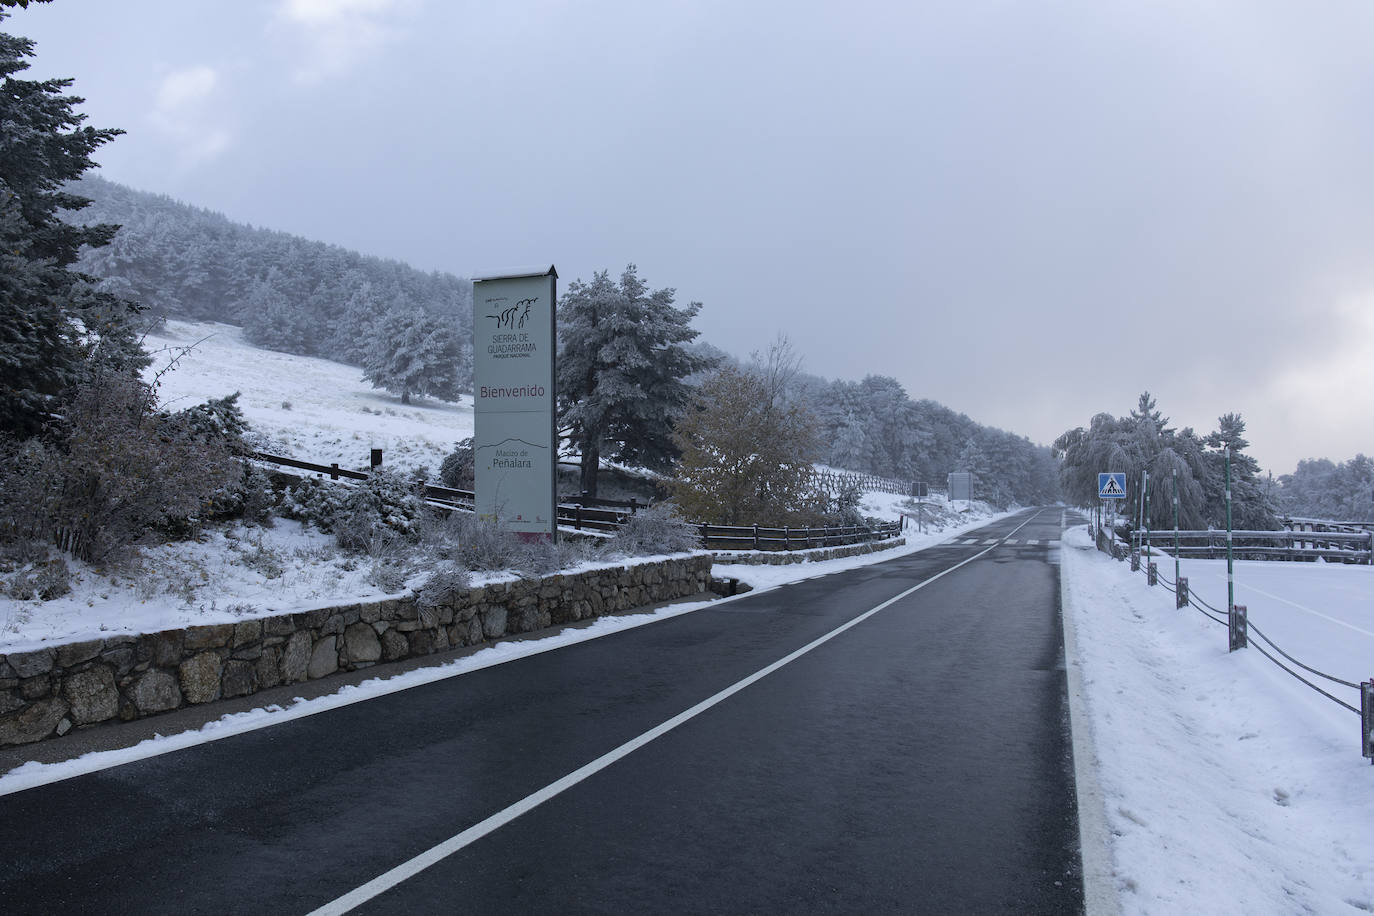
column 305, row 408
column 1227, row 786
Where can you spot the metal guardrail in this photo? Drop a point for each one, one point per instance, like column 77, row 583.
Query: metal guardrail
column 1347, row 546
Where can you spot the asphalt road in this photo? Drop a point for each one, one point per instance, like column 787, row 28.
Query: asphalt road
column 917, row 761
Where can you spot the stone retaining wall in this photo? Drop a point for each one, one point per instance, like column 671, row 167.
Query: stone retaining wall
column 779, row 558
column 47, row 692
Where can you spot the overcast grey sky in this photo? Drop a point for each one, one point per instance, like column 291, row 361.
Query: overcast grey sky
column 1028, row 211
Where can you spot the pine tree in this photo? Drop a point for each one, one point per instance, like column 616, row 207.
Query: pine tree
column 622, row 365
column 975, row 463
column 413, row 353
column 55, row 327
column 1252, row 507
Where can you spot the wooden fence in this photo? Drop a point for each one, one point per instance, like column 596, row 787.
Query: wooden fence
column 608, row 515
column 835, row 481
column 754, row 537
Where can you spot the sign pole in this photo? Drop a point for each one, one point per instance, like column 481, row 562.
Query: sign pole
column 1176, row 525
column 1230, row 572
column 1145, row 516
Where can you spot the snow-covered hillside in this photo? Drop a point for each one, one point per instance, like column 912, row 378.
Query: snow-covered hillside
column 305, row 408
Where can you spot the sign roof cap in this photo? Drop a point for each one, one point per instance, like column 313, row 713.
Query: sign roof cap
column 516, row 272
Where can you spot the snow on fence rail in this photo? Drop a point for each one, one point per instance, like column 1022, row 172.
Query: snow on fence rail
column 1352, row 546
column 575, row 516
column 592, row 517
column 1239, row 627
column 754, row 537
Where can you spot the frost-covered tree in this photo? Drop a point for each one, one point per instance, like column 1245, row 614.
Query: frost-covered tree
column 1321, row 488
column 1143, row 441
column 1252, row 504
column 272, row 322
column 622, row 366
column 974, row 462
column 413, row 353
column 850, row 447
column 54, row 325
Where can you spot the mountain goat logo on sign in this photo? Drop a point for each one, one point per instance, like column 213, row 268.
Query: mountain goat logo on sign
column 515, row 316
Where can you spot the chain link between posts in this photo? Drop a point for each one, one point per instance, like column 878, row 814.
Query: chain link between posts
column 1210, row 612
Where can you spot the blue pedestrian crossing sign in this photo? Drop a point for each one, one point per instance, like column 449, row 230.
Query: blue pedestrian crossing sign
column 1111, row 486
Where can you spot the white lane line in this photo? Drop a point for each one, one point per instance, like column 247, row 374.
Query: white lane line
column 992, row 540
column 409, row 869
column 1032, row 542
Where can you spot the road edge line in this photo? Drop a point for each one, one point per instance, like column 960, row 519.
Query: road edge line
column 1094, row 837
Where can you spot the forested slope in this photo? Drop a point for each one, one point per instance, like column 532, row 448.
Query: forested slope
column 286, row 292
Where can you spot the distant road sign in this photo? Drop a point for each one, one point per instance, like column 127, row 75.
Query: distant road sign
column 961, row 485
column 1111, row 486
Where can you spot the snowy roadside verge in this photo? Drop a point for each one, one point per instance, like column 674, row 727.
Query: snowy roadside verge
column 34, row 774
column 1226, row 786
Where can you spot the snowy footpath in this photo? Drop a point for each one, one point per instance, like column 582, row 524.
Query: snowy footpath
column 1226, row 785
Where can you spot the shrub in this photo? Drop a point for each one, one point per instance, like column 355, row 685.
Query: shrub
column 655, row 531
column 314, row 502
column 389, row 574
column 382, row 509
column 479, row 544
column 218, row 419
column 445, row 583
column 115, row 470
column 374, row 516
column 44, row 579
column 457, row 470
column 843, row 508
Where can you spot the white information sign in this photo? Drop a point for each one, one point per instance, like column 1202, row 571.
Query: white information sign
column 514, row 345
